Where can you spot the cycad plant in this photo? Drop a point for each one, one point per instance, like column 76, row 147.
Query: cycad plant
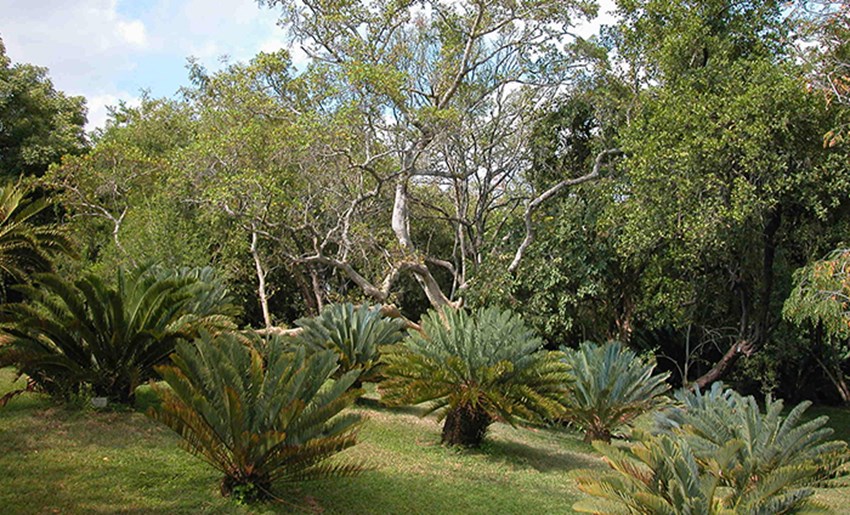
column 786, row 452
column 26, row 247
column 718, row 453
column 86, row 332
column 657, row 475
column 612, row 387
column 261, row 418
column 355, row 334
column 475, row 368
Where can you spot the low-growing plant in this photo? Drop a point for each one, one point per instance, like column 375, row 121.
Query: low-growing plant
column 260, row 417
column 718, row 452
column 796, row 450
column 87, row 332
column 475, row 368
column 612, row 387
column 355, row 334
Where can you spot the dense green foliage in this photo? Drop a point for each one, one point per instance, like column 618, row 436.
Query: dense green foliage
column 38, row 125
column 475, row 368
column 355, row 334
column 718, row 453
column 26, row 246
column 259, row 417
column 612, row 386
column 88, row 333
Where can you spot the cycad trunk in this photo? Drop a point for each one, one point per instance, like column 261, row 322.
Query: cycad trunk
column 597, row 434
column 465, row 425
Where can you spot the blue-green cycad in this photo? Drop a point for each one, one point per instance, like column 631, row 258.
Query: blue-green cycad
column 259, row 418
column 612, row 387
column 86, row 332
column 657, row 475
column 476, row 368
column 780, row 457
column 356, row 335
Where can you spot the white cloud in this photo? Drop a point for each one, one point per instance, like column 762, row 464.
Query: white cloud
column 80, row 41
column 99, row 106
column 133, row 32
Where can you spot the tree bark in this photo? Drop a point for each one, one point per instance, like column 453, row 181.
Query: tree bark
column 465, row 425
column 261, row 278
column 755, row 334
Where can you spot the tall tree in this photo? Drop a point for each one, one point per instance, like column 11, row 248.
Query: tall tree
column 725, row 164
column 444, row 91
column 38, row 124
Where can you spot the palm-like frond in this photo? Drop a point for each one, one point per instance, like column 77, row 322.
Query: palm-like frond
column 355, row 334
column 658, row 475
column 612, row 387
column 781, row 457
column 258, row 418
column 475, row 368
column 26, row 247
column 87, row 332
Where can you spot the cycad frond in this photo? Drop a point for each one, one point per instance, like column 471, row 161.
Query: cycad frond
column 475, row 368
column 355, row 334
column 258, row 418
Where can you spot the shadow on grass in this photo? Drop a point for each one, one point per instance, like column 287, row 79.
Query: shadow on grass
column 519, row 455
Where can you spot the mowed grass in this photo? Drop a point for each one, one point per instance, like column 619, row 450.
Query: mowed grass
column 55, row 459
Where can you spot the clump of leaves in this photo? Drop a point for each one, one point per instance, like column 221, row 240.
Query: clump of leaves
column 718, row 453
column 26, row 247
column 86, row 332
column 260, row 417
column 355, row 334
column 612, row 387
column 475, row 368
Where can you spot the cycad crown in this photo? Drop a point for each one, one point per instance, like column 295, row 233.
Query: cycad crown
column 86, row 332
column 478, row 368
column 355, row 334
column 718, row 453
column 258, row 418
column 26, row 248
column 612, row 387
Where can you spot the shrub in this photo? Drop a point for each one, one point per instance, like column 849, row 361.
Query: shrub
column 475, row 369
column 25, row 247
column 86, row 332
column 356, row 335
column 260, row 418
column 718, row 453
column 612, row 387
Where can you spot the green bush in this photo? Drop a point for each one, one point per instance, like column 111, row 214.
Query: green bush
column 356, row 335
column 261, row 418
column 612, row 387
column 718, row 453
column 86, row 332
column 476, row 369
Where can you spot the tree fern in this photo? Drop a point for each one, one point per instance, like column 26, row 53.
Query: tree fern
column 355, row 334
column 475, row 369
column 259, row 418
column 612, row 387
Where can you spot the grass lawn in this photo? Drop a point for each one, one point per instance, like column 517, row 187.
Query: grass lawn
column 60, row 460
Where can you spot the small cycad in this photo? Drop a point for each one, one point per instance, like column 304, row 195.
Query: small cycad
column 475, row 368
column 260, row 418
column 355, row 334
column 612, row 387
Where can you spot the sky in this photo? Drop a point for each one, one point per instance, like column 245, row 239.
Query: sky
column 111, row 50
